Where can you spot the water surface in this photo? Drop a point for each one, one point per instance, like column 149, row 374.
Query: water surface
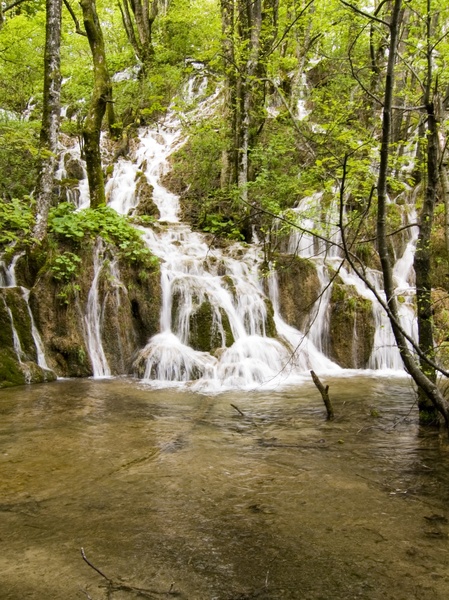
column 182, row 495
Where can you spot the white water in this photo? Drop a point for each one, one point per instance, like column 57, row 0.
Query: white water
column 227, row 284
column 93, row 320
column 196, row 277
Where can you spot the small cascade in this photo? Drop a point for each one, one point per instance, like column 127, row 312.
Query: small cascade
column 93, row 319
column 8, row 272
column 217, row 326
column 71, row 156
column 41, row 360
column 327, row 257
column 16, row 340
column 318, row 328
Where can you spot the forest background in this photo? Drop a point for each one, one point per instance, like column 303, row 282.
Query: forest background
column 345, row 100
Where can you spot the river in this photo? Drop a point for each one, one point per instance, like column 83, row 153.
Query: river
column 184, row 495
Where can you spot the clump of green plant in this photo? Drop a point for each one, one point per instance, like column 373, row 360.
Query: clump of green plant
column 65, row 267
column 16, row 221
column 68, row 224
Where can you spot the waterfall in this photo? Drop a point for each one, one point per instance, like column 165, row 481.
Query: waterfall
column 41, row 361
column 8, row 272
column 218, row 290
column 93, row 319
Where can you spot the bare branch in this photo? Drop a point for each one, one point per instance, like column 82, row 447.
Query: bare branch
column 365, row 14
column 75, row 20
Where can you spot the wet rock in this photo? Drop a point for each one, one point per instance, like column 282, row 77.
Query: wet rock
column 299, row 288
column 74, row 167
column 351, row 327
column 209, row 330
column 129, row 303
column 144, row 195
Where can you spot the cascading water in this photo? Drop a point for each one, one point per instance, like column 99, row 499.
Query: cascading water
column 224, row 289
column 251, row 343
column 385, row 354
column 93, row 320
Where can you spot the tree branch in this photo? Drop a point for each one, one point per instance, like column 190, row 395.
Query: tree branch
column 75, row 20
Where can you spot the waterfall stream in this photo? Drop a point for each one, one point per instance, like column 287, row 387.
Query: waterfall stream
column 227, row 285
column 216, row 297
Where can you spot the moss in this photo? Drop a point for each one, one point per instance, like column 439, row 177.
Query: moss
column 299, row 288
column 205, row 334
column 352, row 326
column 10, row 372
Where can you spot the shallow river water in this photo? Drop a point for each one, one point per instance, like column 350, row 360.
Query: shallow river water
column 173, row 494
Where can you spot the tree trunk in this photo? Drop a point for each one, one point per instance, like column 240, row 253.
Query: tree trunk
column 140, row 32
column 101, row 102
column 50, row 117
column 422, row 265
column 426, row 385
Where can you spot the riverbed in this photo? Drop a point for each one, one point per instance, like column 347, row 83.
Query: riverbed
column 239, row 495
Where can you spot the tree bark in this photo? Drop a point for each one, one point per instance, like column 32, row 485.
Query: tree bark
column 424, row 383
column 50, row 117
column 140, row 33
column 422, row 265
column 101, row 102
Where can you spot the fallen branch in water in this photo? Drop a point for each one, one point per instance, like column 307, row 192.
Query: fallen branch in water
column 113, row 586
column 324, row 391
column 238, row 409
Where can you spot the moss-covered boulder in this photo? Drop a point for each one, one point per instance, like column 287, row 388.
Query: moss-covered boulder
column 299, row 289
column 128, row 299
column 207, row 331
column 18, row 352
column 351, row 327
column 73, row 167
column 144, row 195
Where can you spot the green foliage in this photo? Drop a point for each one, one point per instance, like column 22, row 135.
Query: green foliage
column 188, row 30
column 22, row 42
column 18, row 152
column 76, row 226
column 65, row 267
column 16, row 221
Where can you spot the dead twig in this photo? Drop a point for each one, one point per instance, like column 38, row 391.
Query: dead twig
column 113, row 586
column 238, row 410
column 324, row 391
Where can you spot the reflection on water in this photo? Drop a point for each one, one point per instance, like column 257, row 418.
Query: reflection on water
column 181, row 494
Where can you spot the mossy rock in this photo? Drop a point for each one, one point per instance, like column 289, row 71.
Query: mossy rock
column 270, row 326
column 351, row 327
column 144, row 195
column 205, row 334
column 13, row 372
column 73, row 167
column 299, row 289
column 10, row 372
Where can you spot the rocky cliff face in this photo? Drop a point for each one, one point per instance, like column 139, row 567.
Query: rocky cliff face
column 128, row 304
column 351, row 323
column 18, row 351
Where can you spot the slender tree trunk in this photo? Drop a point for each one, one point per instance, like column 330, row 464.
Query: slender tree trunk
column 101, row 102
column 50, row 117
column 422, row 265
column 428, row 387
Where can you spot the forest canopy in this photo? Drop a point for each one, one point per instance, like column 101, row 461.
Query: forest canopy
column 344, row 101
